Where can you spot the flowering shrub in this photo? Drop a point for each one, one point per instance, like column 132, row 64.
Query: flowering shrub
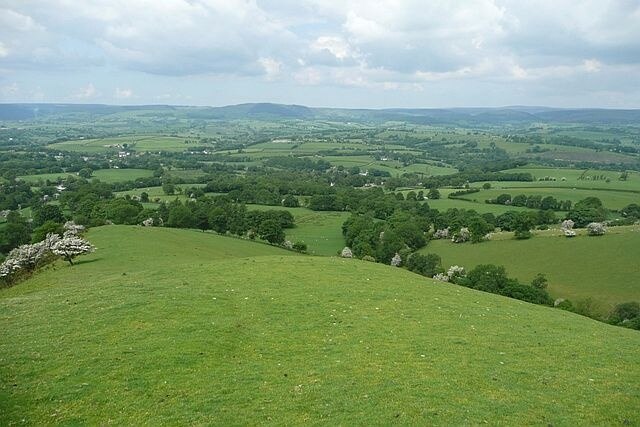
column 148, row 222
column 26, row 258
column 453, row 273
column 462, row 236
column 346, row 253
column 442, row 233
column 596, row 229
column 287, row 244
column 567, row 228
column 396, row 260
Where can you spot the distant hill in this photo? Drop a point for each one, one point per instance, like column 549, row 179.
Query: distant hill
column 269, row 111
column 174, row 327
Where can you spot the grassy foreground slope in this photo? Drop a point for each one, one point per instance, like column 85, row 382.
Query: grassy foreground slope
column 178, row 327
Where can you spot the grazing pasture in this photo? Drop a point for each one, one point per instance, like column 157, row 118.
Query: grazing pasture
column 321, row 231
column 604, row 267
column 127, row 143
column 181, row 327
column 105, row 175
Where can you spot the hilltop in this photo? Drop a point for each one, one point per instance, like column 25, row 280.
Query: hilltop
column 463, row 117
column 166, row 326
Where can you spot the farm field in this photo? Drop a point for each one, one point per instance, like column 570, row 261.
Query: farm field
column 321, row 231
column 134, row 142
column 479, row 206
column 182, row 327
column 105, row 175
column 604, row 268
column 610, row 198
column 571, row 176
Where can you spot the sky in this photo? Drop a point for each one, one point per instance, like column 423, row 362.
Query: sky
column 331, row 53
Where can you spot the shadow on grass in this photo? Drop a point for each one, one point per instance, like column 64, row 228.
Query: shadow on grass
column 84, row 261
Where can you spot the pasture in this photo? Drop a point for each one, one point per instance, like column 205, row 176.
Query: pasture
column 105, row 175
column 604, row 267
column 179, row 327
column 127, row 143
column 321, row 231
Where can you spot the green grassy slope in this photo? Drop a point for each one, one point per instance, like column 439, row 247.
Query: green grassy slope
column 193, row 335
column 604, row 267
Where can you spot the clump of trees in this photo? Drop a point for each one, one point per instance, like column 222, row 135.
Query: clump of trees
column 494, row 279
column 532, row 201
column 586, row 211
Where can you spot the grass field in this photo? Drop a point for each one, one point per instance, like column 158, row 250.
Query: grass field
column 321, row 231
column 571, row 178
column 170, row 327
column 135, row 142
column 610, row 198
column 604, row 268
column 105, row 175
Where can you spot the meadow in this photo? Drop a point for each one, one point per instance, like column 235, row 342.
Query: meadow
column 321, row 231
column 604, row 268
column 124, row 143
column 164, row 326
column 105, row 175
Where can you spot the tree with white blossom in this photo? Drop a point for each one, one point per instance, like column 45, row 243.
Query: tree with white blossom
column 453, row 273
column 596, row 229
column 24, row 258
column 72, row 246
column 72, row 229
column 462, row 236
column 346, row 253
column 567, row 228
column 396, row 260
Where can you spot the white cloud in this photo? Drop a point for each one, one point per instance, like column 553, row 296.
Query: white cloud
column 85, row 93
column 386, row 44
column 592, row 65
column 123, row 93
column 10, row 90
column 336, row 46
column 271, row 67
column 4, row 50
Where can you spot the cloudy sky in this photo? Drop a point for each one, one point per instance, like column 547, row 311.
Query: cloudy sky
column 344, row 53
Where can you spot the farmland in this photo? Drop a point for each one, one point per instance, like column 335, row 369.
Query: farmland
column 603, row 268
column 105, row 175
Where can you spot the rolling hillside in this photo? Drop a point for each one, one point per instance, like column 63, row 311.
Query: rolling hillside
column 166, row 327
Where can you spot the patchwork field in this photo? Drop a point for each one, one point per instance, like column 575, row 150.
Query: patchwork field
column 173, row 327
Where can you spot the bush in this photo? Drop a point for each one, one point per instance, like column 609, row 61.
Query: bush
column 625, row 314
column 300, row 247
column 596, row 229
column 461, row 236
column 427, row 265
column 346, row 253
